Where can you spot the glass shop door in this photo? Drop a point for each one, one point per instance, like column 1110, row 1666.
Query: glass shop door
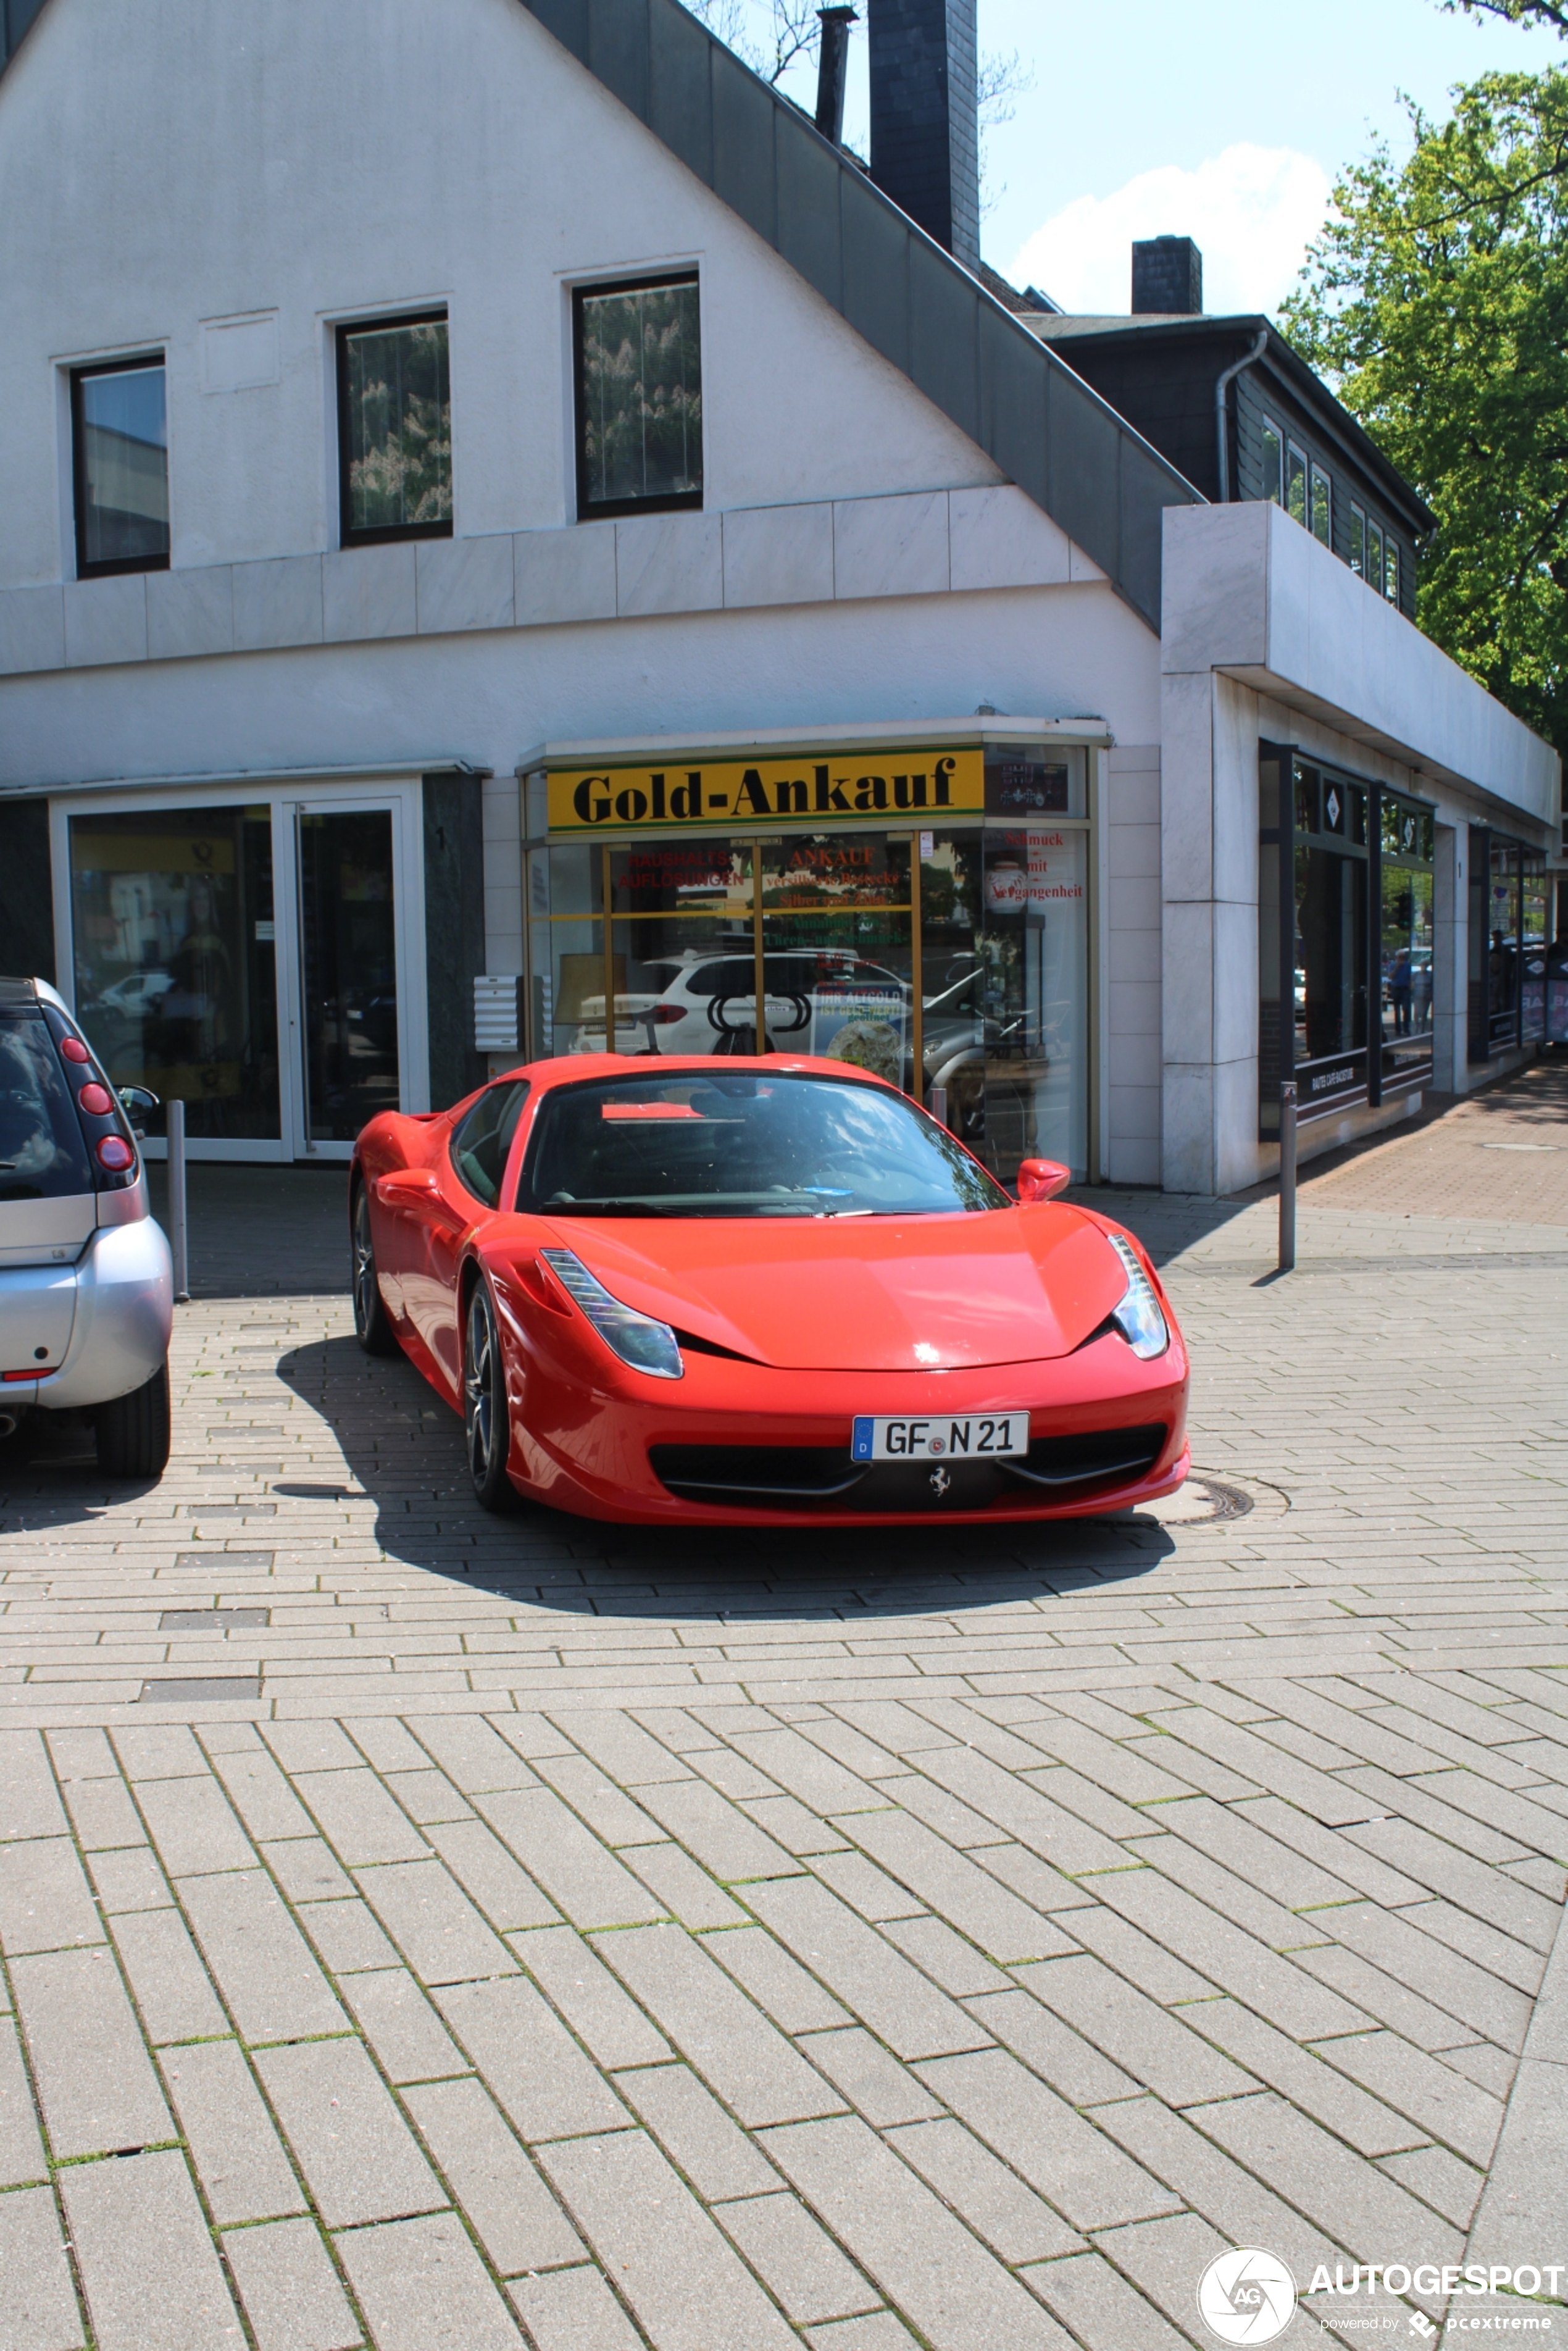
column 348, row 1023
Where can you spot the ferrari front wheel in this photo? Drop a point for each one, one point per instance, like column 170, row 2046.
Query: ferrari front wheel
column 487, row 1428
column 372, row 1325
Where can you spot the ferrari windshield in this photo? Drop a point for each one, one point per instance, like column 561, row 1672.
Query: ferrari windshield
column 740, row 1144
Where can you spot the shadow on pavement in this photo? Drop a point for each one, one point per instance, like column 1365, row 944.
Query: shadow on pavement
column 404, row 1449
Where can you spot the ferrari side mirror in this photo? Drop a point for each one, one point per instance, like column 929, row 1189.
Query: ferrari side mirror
column 1042, row 1179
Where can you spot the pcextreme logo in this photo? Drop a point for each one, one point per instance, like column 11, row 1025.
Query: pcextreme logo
column 1247, row 2297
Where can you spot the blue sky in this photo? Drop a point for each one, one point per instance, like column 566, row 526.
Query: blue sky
column 1218, row 119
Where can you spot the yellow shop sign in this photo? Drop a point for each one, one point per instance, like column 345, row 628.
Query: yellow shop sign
column 816, row 790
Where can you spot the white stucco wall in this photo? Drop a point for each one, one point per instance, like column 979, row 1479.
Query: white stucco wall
column 181, row 161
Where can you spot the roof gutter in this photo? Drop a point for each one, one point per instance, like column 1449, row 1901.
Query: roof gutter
column 1222, row 413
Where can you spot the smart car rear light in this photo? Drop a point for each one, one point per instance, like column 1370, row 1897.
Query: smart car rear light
column 647, row 1346
column 1139, row 1318
column 96, row 1100
column 74, row 1050
column 114, row 1153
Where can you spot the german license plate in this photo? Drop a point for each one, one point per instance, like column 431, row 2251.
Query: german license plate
column 945, row 1437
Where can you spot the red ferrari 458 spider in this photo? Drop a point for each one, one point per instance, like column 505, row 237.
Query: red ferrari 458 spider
column 758, row 1293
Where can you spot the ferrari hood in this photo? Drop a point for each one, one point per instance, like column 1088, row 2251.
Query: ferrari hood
column 892, row 1295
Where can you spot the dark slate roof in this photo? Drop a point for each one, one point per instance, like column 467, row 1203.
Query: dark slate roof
column 908, row 297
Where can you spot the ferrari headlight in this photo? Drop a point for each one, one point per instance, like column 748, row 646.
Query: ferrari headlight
column 637, row 1339
column 1139, row 1317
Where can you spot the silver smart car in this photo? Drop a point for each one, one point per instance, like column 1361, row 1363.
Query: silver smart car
column 87, row 1289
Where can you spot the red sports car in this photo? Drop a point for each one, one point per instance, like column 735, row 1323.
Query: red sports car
column 759, row 1292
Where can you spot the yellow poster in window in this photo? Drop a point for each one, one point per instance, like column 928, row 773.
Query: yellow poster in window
column 816, row 790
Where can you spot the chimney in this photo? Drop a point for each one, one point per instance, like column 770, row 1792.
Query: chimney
column 924, row 118
column 832, row 70
column 1167, row 275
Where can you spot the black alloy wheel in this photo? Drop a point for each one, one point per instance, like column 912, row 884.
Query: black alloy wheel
column 372, row 1326
column 487, row 1425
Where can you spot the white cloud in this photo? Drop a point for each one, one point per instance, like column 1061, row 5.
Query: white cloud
column 1251, row 210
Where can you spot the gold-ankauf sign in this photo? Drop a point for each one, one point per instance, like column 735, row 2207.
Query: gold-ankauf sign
column 818, row 790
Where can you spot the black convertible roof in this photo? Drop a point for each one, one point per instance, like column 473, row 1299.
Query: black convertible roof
column 905, row 294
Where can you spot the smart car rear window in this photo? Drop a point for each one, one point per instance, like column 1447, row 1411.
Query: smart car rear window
column 43, row 1155
column 743, row 1143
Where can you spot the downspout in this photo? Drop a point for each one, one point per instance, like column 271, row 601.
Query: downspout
column 1221, row 418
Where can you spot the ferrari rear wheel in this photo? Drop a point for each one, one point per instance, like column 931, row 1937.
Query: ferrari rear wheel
column 372, row 1326
column 487, row 1425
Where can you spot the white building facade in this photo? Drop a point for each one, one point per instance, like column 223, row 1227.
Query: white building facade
column 493, row 496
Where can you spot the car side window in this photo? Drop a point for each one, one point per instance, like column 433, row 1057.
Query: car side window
column 482, row 1140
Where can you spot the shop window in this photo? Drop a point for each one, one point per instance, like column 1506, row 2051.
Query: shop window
column 1406, row 940
column 1358, row 542
column 172, row 924
column 121, row 461
column 395, row 430
column 1296, row 484
column 639, row 397
column 1321, row 506
column 1273, row 461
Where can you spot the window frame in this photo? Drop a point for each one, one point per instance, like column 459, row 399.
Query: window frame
column 1267, row 431
column 594, row 289
column 113, row 566
column 1358, row 539
column 1389, row 583
column 384, row 535
column 1296, row 455
column 1319, row 476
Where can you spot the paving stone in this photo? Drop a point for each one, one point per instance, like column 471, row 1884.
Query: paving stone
column 1015, row 2223
column 795, row 2258
column 802, row 1768
column 944, row 1955
column 866, row 1889
column 22, row 2158
column 546, row 2087
column 587, row 1883
column 962, row 1827
column 1058, row 1836
column 717, row 1833
column 427, row 1796
column 96, row 2084
column 171, row 1987
column 128, row 1879
column 490, row 1877
column 239, row 2158
column 388, row 1745
column 261, row 1795
column 879, row 2332
column 1395, row 1945
column 573, row 2310
column 1165, row 2259
column 1431, row 2094
column 262, row 1963
column 735, row 2048
column 955, row 1887
column 303, row 1747
column 957, row 2296
column 291, row 2292
column 471, row 1752
column 1440, row 2179
column 694, row 2131
column 410, row 2041
column 1384, row 2001
column 1033, row 1880
column 687, row 1892
column 792, row 1826
column 102, row 1813
column 1079, row 2072
column 359, row 1818
column 1523, row 2201
column 357, row 2153
column 1310, row 2083
column 1104, row 2313
column 870, row 2077
column 900, row 2006
column 614, row 1818
column 510, row 2209
column 306, row 1870
column 1085, row 2175
column 795, row 2000
column 612, row 2028
column 1240, row 2207
column 29, row 1801
column 40, row 2305
column 160, row 1751
column 423, row 2288
column 345, row 1935
column 1158, row 2049
column 1236, row 1963
column 193, row 1826
column 1331, row 2185
column 435, row 1927
column 1235, row 1898
column 149, row 2267
column 688, row 2290
column 45, row 1902
column 732, row 1775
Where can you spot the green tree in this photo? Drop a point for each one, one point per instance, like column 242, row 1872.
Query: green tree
column 1437, row 301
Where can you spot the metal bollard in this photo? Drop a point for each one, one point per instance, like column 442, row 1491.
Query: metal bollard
column 179, row 1230
column 1287, row 1176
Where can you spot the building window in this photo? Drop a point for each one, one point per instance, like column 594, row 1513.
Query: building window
column 1375, row 556
column 1322, row 506
column 395, row 430
column 1296, row 484
column 639, row 397
column 1358, row 542
column 1273, row 461
column 1406, row 881
column 120, row 457
column 1391, row 571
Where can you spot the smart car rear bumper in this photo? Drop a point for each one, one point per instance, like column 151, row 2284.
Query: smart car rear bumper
column 124, row 1308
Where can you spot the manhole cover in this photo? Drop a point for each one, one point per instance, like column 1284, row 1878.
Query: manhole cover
column 1203, row 1501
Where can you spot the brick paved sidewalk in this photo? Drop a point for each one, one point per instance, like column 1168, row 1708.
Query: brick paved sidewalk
column 542, row 1933
column 1436, row 1166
